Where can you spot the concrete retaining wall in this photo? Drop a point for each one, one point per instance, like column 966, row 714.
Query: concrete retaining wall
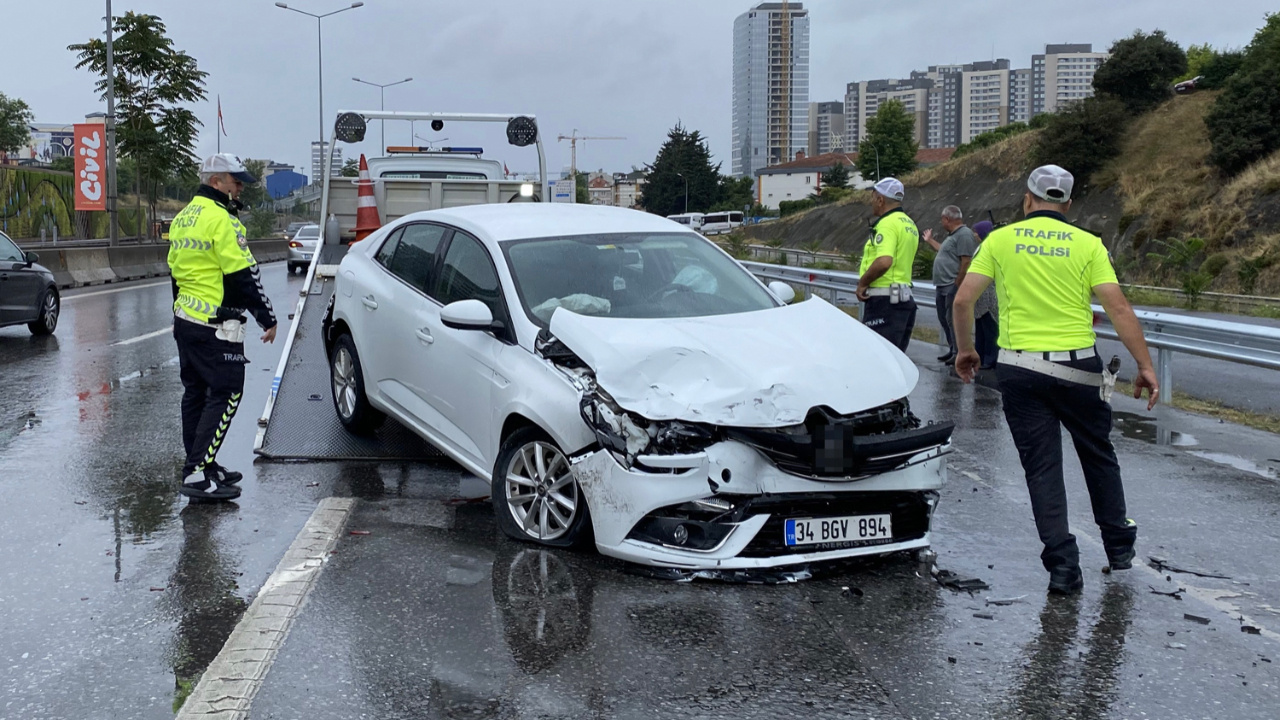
column 77, row 267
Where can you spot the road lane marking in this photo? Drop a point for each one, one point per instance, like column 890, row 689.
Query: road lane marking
column 140, row 338
column 77, row 296
column 228, row 686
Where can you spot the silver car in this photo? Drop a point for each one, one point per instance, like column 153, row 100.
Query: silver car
column 301, row 247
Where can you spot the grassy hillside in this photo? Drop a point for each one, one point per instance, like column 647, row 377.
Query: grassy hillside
column 1159, row 188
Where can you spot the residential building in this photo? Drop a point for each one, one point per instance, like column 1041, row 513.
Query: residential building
column 770, row 85
column 825, row 117
column 1063, row 74
column 628, row 188
column 600, row 189
column 1020, row 95
column 863, row 99
column 318, row 152
column 984, row 98
column 802, row 177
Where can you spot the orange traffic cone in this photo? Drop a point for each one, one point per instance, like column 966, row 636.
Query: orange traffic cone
column 367, row 219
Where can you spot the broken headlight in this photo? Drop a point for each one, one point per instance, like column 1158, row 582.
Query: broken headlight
column 628, row 435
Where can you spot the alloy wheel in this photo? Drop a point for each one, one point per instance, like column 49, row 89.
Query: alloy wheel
column 344, row 382
column 540, row 491
column 49, row 313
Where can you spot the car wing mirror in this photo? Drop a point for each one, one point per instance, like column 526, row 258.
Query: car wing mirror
column 31, row 258
column 784, row 292
column 467, row 315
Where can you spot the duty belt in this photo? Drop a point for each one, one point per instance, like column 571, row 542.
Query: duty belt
column 1046, row 363
column 904, row 292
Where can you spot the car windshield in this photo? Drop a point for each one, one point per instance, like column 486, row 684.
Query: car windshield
column 660, row 275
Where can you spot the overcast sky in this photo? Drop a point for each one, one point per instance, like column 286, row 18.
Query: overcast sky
column 604, row 67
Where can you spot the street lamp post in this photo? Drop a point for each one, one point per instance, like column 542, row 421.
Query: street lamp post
column 320, row 66
column 382, row 102
column 686, row 192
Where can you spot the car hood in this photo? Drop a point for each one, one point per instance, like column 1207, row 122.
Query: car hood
column 759, row 369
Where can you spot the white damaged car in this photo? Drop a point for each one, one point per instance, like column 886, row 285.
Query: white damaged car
column 619, row 379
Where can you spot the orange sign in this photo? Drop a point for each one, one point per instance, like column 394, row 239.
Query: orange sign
column 90, row 152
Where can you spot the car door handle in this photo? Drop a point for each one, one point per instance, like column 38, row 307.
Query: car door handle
column 425, row 336
column 369, row 302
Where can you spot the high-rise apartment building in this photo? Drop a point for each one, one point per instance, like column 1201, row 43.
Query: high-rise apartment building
column 1064, row 73
column 825, row 117
column 770, row 85
column 863, row 99
column 1020, row 95
column 318, row 152
column 984, row 98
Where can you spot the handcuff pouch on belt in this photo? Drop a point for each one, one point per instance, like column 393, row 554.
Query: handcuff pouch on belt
column 230, row 330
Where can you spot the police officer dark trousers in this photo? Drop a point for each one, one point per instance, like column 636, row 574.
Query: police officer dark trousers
column 884, row 280
column 1049, row 371
column 215, row 281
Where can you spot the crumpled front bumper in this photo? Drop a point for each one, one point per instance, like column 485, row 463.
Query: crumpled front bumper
column 620, row 498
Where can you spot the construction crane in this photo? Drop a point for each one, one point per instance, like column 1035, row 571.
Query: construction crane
column 573, row 148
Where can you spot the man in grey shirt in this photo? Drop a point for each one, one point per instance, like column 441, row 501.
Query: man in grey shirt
column 955, row 253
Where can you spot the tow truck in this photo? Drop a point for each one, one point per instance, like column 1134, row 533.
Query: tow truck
column 298, row 422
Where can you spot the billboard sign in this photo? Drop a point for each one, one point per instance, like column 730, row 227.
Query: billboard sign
column 90, row 152
column 564, row 191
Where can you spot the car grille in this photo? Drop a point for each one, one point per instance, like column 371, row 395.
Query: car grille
column 846, row 447
column 909, row 512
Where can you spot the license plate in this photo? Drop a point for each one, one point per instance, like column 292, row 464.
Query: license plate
column 306, row 256
column 815, row 531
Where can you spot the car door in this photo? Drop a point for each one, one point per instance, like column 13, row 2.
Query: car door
column 20, row 285
column 462, row 374
column 396, row 347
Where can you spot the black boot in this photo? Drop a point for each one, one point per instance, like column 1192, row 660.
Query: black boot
column 225, row 476
column 1065, row 581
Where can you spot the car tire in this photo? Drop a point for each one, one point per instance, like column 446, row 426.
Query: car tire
column 550, row 492
column 50, row 310
column 346, row 381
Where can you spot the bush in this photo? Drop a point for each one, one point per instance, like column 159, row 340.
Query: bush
column 1219, row 68
column 261, row 224
column 1083, row 137
column 991, row 137
column 1141, row 70
column 1244, row 124
column 788, row 207
column 1214, row 265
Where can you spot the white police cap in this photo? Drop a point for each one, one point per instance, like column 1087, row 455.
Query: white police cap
column 890, row 188
column 227, row 163
column 1052, row 183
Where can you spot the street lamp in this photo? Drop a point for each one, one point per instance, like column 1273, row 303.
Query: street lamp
column 873, row 147
column 320, row 66
column 686, row 192
column 382, row 101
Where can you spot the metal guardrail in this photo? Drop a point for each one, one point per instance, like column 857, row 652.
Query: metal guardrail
column 1247, row 344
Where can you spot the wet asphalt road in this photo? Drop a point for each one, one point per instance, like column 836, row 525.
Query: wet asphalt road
column 115, row 594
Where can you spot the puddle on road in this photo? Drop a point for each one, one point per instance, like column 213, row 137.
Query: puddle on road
column 1146, row 429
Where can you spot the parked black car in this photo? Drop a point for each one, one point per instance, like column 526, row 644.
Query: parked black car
column 28, row 293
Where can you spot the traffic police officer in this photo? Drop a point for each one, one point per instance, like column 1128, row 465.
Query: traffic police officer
column 215, row 281
column 1049, row 371
column 884, row 280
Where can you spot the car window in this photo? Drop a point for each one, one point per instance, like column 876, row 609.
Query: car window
column 414, row 255
column 388, row 249
column 468, row 274
column 310, row 231
column 10, row 252
column 661, row 275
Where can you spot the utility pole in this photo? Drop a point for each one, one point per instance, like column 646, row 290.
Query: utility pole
column 112, row 218
column 573, row 149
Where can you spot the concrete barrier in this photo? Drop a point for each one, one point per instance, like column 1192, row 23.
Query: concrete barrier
column 77, row 267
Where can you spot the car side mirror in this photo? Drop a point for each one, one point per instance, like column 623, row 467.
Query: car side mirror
column 467, row 315
column 784, row 292
column 31, row 258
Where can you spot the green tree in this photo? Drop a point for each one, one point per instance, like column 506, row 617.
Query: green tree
column 153, row 82
column 1141, row 70
column 1244, row 123
column 65, row 163
column 1083, row 136
column 733, row 194
column 582, row 193
column 891, row 139
column 255, row 195
column 1198, row 56
column 1220, row 68
column 837, row 176
column 684, row 160
column 15, row 124
column 261, row 223
column 350, row 168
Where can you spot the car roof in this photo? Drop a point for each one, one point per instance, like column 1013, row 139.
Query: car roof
column 499, row 222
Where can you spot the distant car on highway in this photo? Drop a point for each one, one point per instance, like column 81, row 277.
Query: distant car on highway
column 1188, row 86
column 616, row 378
column 28, row 293
column 302, row 244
